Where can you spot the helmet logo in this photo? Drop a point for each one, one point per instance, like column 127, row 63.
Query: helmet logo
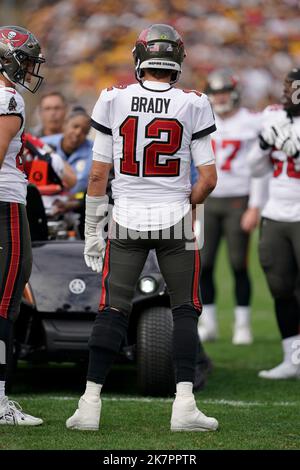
column 11, row 35
column 12, row 38
column 163, row 36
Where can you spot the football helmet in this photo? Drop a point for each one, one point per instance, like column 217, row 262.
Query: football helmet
column 20, row 57
column 159, row 47
column 223, row 81
column 290, row 95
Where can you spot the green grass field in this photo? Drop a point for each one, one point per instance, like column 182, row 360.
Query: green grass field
column 253, row 413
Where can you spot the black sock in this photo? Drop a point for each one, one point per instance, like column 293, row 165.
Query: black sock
column 288, row 316
column 107, row 336
column 6, row 338
column 242, row 287
column 185, row 342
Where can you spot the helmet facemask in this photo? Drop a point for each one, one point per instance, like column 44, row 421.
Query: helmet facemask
column 22, row 69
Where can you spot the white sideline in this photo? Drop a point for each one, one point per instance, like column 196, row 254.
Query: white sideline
column 234, row 403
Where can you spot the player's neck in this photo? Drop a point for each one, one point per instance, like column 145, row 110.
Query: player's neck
column 150, row 78
column 229, row 114
column 6, row 83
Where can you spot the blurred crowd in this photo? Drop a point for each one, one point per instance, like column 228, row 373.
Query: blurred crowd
column 88, row 43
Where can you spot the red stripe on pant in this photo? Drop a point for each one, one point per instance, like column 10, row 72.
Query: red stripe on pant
column 14, row 259
column 196, row 287
column 104, row 277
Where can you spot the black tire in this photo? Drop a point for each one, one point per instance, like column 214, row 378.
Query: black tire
column 154, row 352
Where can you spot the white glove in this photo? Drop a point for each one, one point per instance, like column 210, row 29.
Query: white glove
column 268, row 136
column 275, row 133
column 95, row 221
column 291, row 145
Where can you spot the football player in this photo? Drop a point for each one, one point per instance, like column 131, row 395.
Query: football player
column 20, row 61
column 279, row 247
column 232, row 210
column 149, row 131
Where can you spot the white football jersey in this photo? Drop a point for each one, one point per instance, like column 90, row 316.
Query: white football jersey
column 284, row 188
column 13, row 182
column 231, row 142
column 152, row 126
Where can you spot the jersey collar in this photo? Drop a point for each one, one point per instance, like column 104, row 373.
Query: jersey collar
column 156, row 86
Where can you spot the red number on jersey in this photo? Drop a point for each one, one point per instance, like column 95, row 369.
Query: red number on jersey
column 128, row 130
column 278, row 166
column 171, row 167
column 151, row 164
column 235, row 144
column 291, row 168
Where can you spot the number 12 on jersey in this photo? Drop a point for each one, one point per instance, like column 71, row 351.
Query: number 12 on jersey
column 151, row 165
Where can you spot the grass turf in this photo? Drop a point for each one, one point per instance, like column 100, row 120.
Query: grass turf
column 253, row 413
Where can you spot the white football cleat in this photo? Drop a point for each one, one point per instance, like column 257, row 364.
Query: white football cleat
column 289, row 368
column 207, row 334
column 86, row 417
column 285, row 370
column 187, row 417
column 242, row 335
column 11, row 413
column 208, row 324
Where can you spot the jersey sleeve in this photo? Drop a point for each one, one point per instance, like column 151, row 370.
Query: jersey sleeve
column 103, row 148
column 101, row 112
column 202, row 152
column 203, row 118
column 11, row 104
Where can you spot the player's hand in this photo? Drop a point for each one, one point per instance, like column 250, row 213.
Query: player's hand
column 94, row 250
column 267, row 138
column 275, row 134
column 291, row 144
column 95, row 221
column 250, row 219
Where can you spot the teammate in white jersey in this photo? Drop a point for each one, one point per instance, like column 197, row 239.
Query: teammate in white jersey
column 232, row 210
column 279, row 246
column 20, row 60
column 149, row 131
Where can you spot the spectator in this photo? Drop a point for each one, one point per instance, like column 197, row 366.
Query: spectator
column 74, row 146
column 254, row 38
column 52, row 113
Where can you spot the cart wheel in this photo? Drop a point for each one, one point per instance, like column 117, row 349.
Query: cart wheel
column 154, row 352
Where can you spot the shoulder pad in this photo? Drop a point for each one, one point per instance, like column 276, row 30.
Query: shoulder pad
column 198, row 93
column 108, row 94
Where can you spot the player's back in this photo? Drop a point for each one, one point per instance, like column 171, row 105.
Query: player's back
column 152, row 126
